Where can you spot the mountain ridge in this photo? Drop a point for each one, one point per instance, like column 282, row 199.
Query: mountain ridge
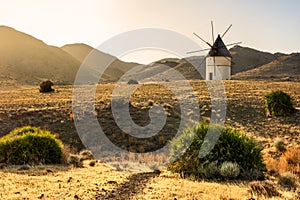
column 26, row 60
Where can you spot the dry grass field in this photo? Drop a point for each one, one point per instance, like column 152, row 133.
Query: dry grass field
column 53, row 111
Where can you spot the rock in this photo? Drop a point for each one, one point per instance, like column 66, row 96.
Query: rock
column 112, row 182
column 286, row 79
column 132, row 82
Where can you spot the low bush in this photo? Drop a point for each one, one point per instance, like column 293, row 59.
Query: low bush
column 212, row 170
column 279, row 103
column 232, row 146
column 30, row 145
column 229, row 170
column 46, row 86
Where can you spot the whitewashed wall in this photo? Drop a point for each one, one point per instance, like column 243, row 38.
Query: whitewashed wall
column 223, row 68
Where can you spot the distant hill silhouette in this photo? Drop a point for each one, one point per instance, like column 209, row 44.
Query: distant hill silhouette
column 27, row 60
column 113, row 71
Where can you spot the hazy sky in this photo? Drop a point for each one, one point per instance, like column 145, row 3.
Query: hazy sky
column 268, row 25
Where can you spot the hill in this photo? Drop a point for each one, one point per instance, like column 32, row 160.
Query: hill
column 26, row 60
column 163, row 70
column 114, row 70
column 245, row 58
column 247, row 63
column 286, row 67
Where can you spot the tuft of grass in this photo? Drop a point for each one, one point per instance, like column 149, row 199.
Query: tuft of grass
column 288, row 181
column 230, row 170
column 263, row 188
column 288, row 161
column 75, row 160
column 280, row 145
column 86, row 155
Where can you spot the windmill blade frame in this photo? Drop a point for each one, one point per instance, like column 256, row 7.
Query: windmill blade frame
column 196, row 51
column 226, row 31
column 212, row 31
column 202, row 39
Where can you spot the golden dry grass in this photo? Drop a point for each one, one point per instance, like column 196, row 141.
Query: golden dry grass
column 289, row 161
column 102, row 182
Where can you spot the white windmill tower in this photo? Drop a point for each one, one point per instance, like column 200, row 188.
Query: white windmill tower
column 218, row 60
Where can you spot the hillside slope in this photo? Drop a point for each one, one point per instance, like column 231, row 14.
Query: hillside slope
column 99, row 59
column 245, row 58
column 26, row 60
column 285, row 67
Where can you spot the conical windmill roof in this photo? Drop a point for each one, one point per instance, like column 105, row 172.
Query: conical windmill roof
column 219, row 48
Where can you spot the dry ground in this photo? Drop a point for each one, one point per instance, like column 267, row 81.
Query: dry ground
column 26, row 106
column 101, row 182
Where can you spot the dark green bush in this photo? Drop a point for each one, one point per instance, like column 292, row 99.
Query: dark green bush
column 232, row 146
column 30, row 145
column 279, row 103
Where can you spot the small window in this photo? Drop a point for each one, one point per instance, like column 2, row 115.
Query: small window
column 210, row 76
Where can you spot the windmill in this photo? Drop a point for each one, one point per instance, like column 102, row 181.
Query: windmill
column 218, row 60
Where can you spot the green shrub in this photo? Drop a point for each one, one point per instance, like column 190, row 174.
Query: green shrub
column 230, row 170
column 232, row 146
column 279, row 103
column 30, row 145
column 212, row 170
